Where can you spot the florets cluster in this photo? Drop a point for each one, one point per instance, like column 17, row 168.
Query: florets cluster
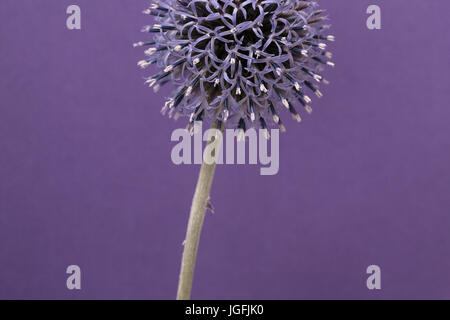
column 238, row 62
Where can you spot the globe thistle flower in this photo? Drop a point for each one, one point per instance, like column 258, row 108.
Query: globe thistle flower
column 240, row 62
column 235, row 62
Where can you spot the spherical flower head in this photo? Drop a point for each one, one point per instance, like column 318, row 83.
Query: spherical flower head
column 240, row 62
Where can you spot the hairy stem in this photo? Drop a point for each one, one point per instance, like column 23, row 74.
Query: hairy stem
column 196, row 218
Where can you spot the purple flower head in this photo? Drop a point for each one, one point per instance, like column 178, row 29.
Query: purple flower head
column 240, row 62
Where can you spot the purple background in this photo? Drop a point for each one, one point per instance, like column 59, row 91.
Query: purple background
column 86, row 176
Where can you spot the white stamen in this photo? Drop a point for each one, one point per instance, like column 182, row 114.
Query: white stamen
column 330, row 38
column 330, row 63
column 317, row 77
column 297, row 118
column 308, row 109
column 168, row 68
column 252, row 116
column 150, row 51
column 143, row 64
column 157, row 26
column 297, row 86
column 279, row 71
column 318, row 93
column 216, row 82
column 196, row 61
column 177, row 48
column 138, row 44
column 263, row 88
column 188, row 91
column 233, row 61
column 151, row 82
column 304, row 52
column 285, row 103
column 266, row 134
column 322, row 45
column 225, row 115
column 276, row 118
column 238, row 91
column 329, row 55
column 307, row 99
column 169, row 104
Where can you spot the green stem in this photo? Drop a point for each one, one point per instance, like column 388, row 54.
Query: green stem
column 195, row 224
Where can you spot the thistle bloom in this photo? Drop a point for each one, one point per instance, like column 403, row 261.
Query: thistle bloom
column 242, row 61
column 238, row 62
